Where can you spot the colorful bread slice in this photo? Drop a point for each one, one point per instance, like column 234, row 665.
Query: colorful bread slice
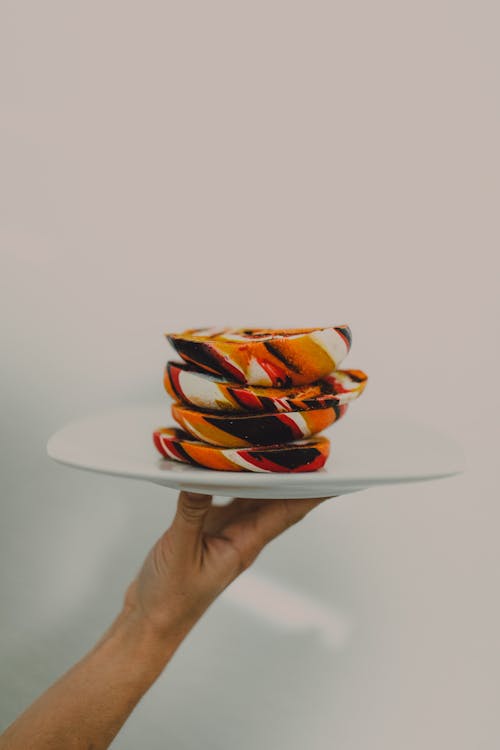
column 216, row 393
column 301, row 456
column 238, row 430
column 265, row 357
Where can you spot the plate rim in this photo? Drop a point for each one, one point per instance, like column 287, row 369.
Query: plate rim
column 198, row 478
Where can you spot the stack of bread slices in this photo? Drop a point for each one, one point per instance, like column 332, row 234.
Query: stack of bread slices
column 256, row 399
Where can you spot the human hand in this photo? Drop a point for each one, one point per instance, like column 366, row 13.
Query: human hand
column 203, row 551
column 205, row 548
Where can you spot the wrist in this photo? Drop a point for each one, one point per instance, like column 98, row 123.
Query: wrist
column 134, row 639
column 166, row 622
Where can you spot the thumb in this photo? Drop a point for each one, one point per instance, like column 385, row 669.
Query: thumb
column 190, row 515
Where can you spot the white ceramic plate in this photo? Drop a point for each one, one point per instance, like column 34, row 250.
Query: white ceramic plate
column 366, row 450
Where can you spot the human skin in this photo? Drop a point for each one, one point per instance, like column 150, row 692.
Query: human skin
column 201, row 553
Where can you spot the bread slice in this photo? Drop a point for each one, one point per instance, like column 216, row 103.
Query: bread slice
column 265, row 357
column 300, row 456
column 253, row 429
column 185, row 383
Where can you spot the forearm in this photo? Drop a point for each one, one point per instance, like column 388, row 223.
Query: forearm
column 87, row 706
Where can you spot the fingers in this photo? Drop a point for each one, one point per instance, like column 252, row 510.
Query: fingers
column 220, row 516
column 254, row 528
column 279, row 515
column 300, row 508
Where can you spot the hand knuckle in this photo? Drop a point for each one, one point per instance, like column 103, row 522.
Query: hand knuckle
column 242, row 559
column 242, row 562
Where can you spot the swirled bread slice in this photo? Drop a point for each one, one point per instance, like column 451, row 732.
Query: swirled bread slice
column 253, row 429
column 185, row 383
column 300, row 456
column 266, row 357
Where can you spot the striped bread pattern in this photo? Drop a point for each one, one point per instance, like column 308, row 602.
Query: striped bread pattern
column 263, row 357
column 299, row 456
column 254, row 399
column 189, row 385
column 239, row 430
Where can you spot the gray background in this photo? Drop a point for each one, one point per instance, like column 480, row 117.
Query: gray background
column 166, row 165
